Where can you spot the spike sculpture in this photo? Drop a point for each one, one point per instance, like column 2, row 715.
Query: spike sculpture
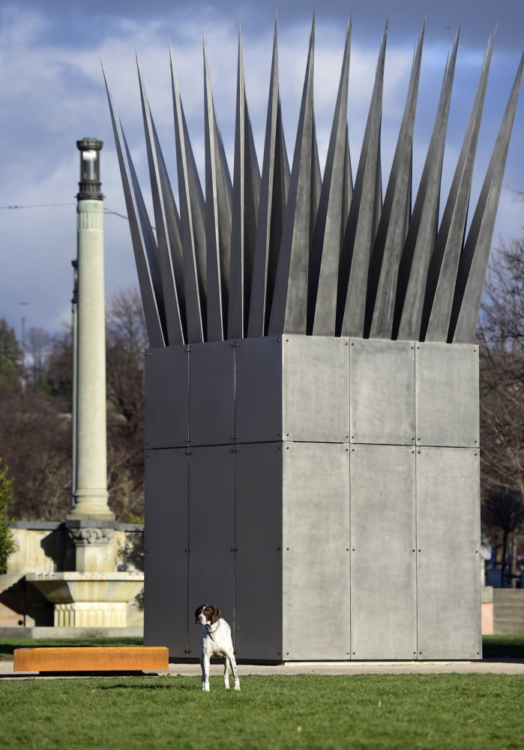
column 312, row 383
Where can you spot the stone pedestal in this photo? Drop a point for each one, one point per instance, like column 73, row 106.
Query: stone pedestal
column 91, row 541
column 89, row 599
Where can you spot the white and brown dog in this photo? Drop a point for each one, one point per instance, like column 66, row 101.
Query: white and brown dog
column 215, row 641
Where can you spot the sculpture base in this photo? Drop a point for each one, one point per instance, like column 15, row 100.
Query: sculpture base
column 89, row 599
column 326, row 499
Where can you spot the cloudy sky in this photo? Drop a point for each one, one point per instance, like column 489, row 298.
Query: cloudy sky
column 51, row 94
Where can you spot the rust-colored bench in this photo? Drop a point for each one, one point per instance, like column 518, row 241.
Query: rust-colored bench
column 92, row 659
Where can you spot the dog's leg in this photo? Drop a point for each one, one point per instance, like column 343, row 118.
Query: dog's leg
column 233, row 664
column 204, row 663
column 226, row 673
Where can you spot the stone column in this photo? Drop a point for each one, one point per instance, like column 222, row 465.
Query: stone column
column 90, row 496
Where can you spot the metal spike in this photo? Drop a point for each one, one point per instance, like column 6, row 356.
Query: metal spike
column 391, row 233
column 442, row 272
column 144, row 245
column 218, row 218
column 273, row 199
column 246, row 196
column 325, row 249
column 192, row 211
column 364, row 214
column 474, row 259
column 289, row 306
column 422, row 231
column 159, row 186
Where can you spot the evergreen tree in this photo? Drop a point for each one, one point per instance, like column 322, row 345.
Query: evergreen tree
column 7, row 539
column 10, row 355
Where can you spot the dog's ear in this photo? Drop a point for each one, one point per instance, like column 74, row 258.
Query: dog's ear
column 197, row 612
column 217, row 614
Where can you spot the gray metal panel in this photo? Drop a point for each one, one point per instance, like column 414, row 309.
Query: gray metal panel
column 361, row 225
column 211, row 535
column 316, row 551
column 391, row 232
column 273, row 198
column 331, row 216
column 212, row 393
column 448, row 565
column 316, row 388
column 167, row 397
column 447, row 393
column 473, row 263
column 442, row 272
column 165, row 559
column 382, row 392
column 383, row 561
column 258, row 409
column 258, row 583
column 422, row 231
column 289, row 308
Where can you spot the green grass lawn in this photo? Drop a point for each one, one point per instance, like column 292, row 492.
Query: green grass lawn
column 307, row 711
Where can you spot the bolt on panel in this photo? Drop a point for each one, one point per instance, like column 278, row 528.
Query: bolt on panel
column 383, row 557
column 211, row 535
column 447, row 394
column 167, row 397
column 258, row 579
column 315, row 551
column 165, row 562
column 212, row 393
column 448, row 559
column 258, row 408
column 316, row 389
column 382, row 392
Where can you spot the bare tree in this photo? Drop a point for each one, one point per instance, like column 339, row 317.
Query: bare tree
column 501, row 338
column 504, row 509
column 38, row 344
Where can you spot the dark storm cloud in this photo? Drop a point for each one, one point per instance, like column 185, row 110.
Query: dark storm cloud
column 478, row 17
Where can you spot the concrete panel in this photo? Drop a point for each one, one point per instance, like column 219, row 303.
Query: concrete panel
column 383, row 557
column 259, row 557
column 447, row 392
column 258, row 389
column 212, row 393
column 211, row 535
column 167, row 399
column 448, row 564
column 316, row 553
column 382, row 392
column 165, row 559
column 316, row 389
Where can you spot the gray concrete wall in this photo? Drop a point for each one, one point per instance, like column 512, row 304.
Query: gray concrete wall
column 347, row 481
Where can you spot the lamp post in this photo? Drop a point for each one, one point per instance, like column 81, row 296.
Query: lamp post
column 89, row 492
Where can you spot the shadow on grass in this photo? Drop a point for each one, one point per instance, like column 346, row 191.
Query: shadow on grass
column 170, row 686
